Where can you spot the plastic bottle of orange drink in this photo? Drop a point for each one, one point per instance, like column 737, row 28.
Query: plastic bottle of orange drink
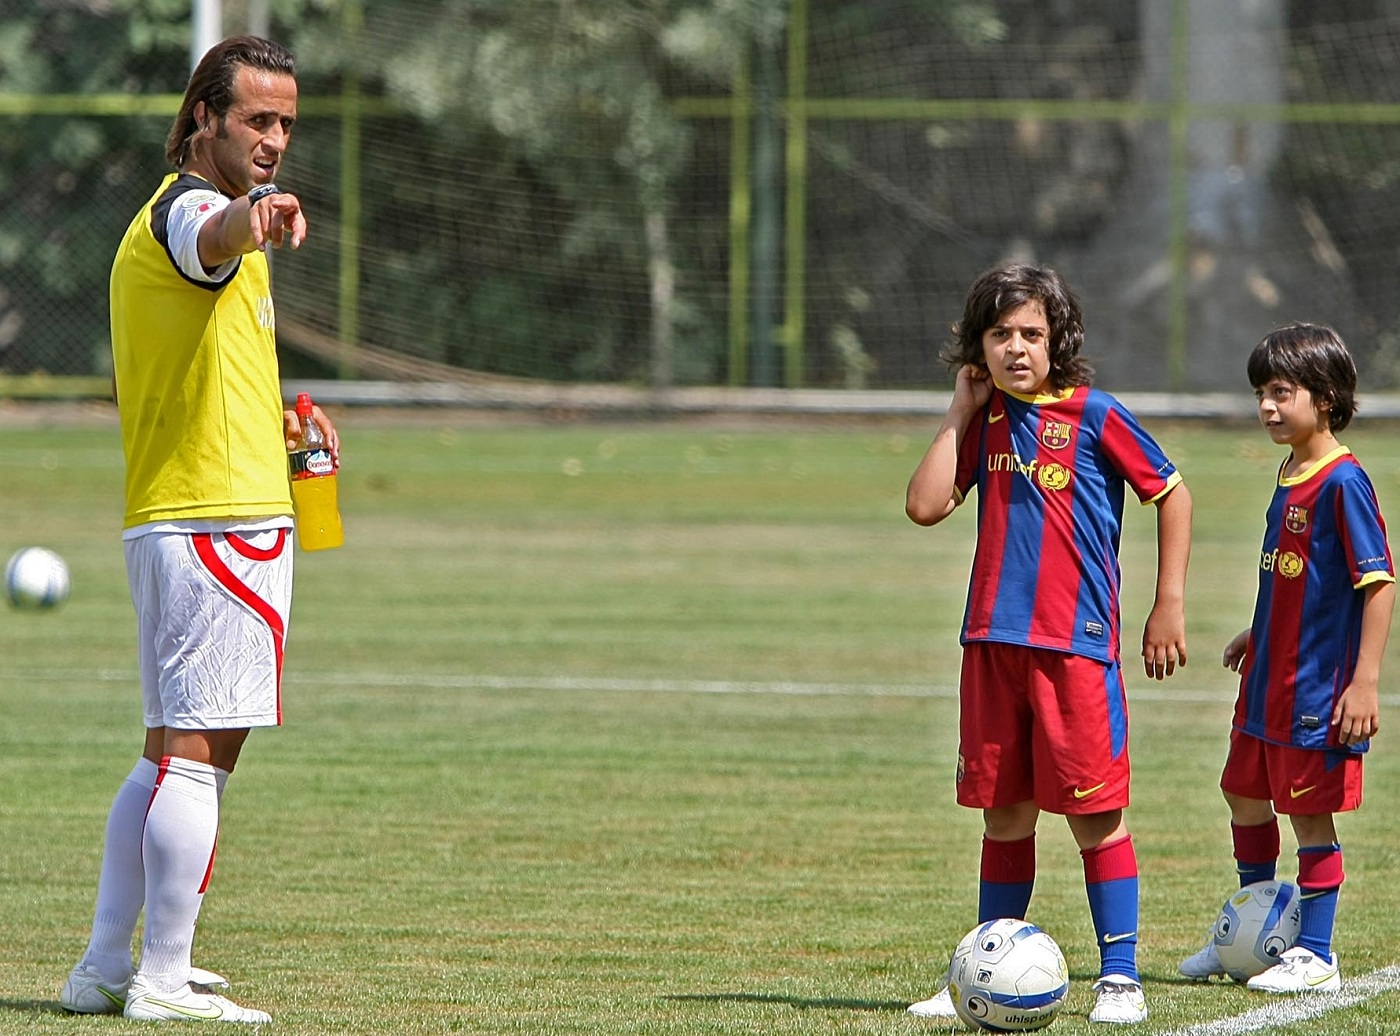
column 313, row 484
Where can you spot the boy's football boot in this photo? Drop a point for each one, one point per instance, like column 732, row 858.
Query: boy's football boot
column 1203, row 965
column 1299, row 970
column 1120, row 1001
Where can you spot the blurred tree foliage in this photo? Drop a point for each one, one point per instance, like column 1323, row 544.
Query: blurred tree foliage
column 533, row 205
column 558, row 109
column 55, row 171
column 71, row 182
column 559, row 113
column 586, row 194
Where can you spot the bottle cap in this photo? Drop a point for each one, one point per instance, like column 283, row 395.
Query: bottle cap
column 303, row 403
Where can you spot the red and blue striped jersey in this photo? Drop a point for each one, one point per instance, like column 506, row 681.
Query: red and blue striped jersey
column 1324, row 542
column 1050, row 471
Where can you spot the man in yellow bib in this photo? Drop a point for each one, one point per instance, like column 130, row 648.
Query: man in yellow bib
column 208, row 517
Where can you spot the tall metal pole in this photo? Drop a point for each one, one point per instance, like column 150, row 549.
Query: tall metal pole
column 206, row 28
column 259, row 22
column 767, row 217
column 795, row 222
column 1178, row 179
column 348, row 308
column 740, row 217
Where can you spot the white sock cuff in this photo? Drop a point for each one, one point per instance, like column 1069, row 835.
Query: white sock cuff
column 144, row 773
column 188, row 777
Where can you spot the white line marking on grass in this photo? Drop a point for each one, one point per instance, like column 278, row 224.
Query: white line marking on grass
column 665, row 686
column 481, row 682
column 656, row 686
column 1290, row 1010
column 615, row 684
column 470, row 681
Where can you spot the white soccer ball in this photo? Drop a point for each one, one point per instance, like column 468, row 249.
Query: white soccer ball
column 36, row 577
column 1255, row 926
column 1008, row 976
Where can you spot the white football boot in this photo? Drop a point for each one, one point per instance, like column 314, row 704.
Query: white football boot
column 87, row 992
column 1120, row 1001
column 1299, row 970
column 940, row 1005
column 1204, row 964
column 190, row 1003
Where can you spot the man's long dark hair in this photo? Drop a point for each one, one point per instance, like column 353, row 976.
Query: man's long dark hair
column 213, row 80
column 1004, row 288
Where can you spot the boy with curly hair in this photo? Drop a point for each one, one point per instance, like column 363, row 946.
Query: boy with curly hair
column 1043, row 720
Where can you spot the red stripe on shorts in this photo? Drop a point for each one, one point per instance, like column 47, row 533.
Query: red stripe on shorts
column 252, row 553
column 204, row 547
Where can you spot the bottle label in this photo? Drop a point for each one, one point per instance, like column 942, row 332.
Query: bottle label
column 311, row 464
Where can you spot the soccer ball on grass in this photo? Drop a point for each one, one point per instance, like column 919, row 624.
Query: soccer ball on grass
column 1008, row 976
column 1255, row 926
column 36, row 578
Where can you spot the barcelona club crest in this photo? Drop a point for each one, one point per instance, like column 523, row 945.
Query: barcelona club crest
column 1295, row 519
column 1055, row 435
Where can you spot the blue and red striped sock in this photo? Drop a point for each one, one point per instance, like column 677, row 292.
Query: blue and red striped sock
column 1320, row 878
column 1111, row 879
column 1008, row 878
column 1256, row 851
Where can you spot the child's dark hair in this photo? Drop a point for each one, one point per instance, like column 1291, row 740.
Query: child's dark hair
column 1003, row 288
column 1315, row 357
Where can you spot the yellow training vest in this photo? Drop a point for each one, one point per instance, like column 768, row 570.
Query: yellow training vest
column 197, row 381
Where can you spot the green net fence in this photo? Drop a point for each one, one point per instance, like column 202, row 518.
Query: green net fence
column 760, row 193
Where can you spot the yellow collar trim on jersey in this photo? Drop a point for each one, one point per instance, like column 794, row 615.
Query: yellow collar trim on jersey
column 1312, row 469
column 1039, row 397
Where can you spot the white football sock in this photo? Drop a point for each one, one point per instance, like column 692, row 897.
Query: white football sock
column 182, row 828
column 121, row 888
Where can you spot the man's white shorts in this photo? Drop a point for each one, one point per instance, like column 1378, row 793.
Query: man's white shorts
column 211, row 613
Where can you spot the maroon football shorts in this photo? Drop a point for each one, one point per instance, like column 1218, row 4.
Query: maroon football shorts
column 1305, row 781
column 1043, row 725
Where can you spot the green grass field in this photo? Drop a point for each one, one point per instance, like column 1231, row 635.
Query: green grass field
column 630, row 729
